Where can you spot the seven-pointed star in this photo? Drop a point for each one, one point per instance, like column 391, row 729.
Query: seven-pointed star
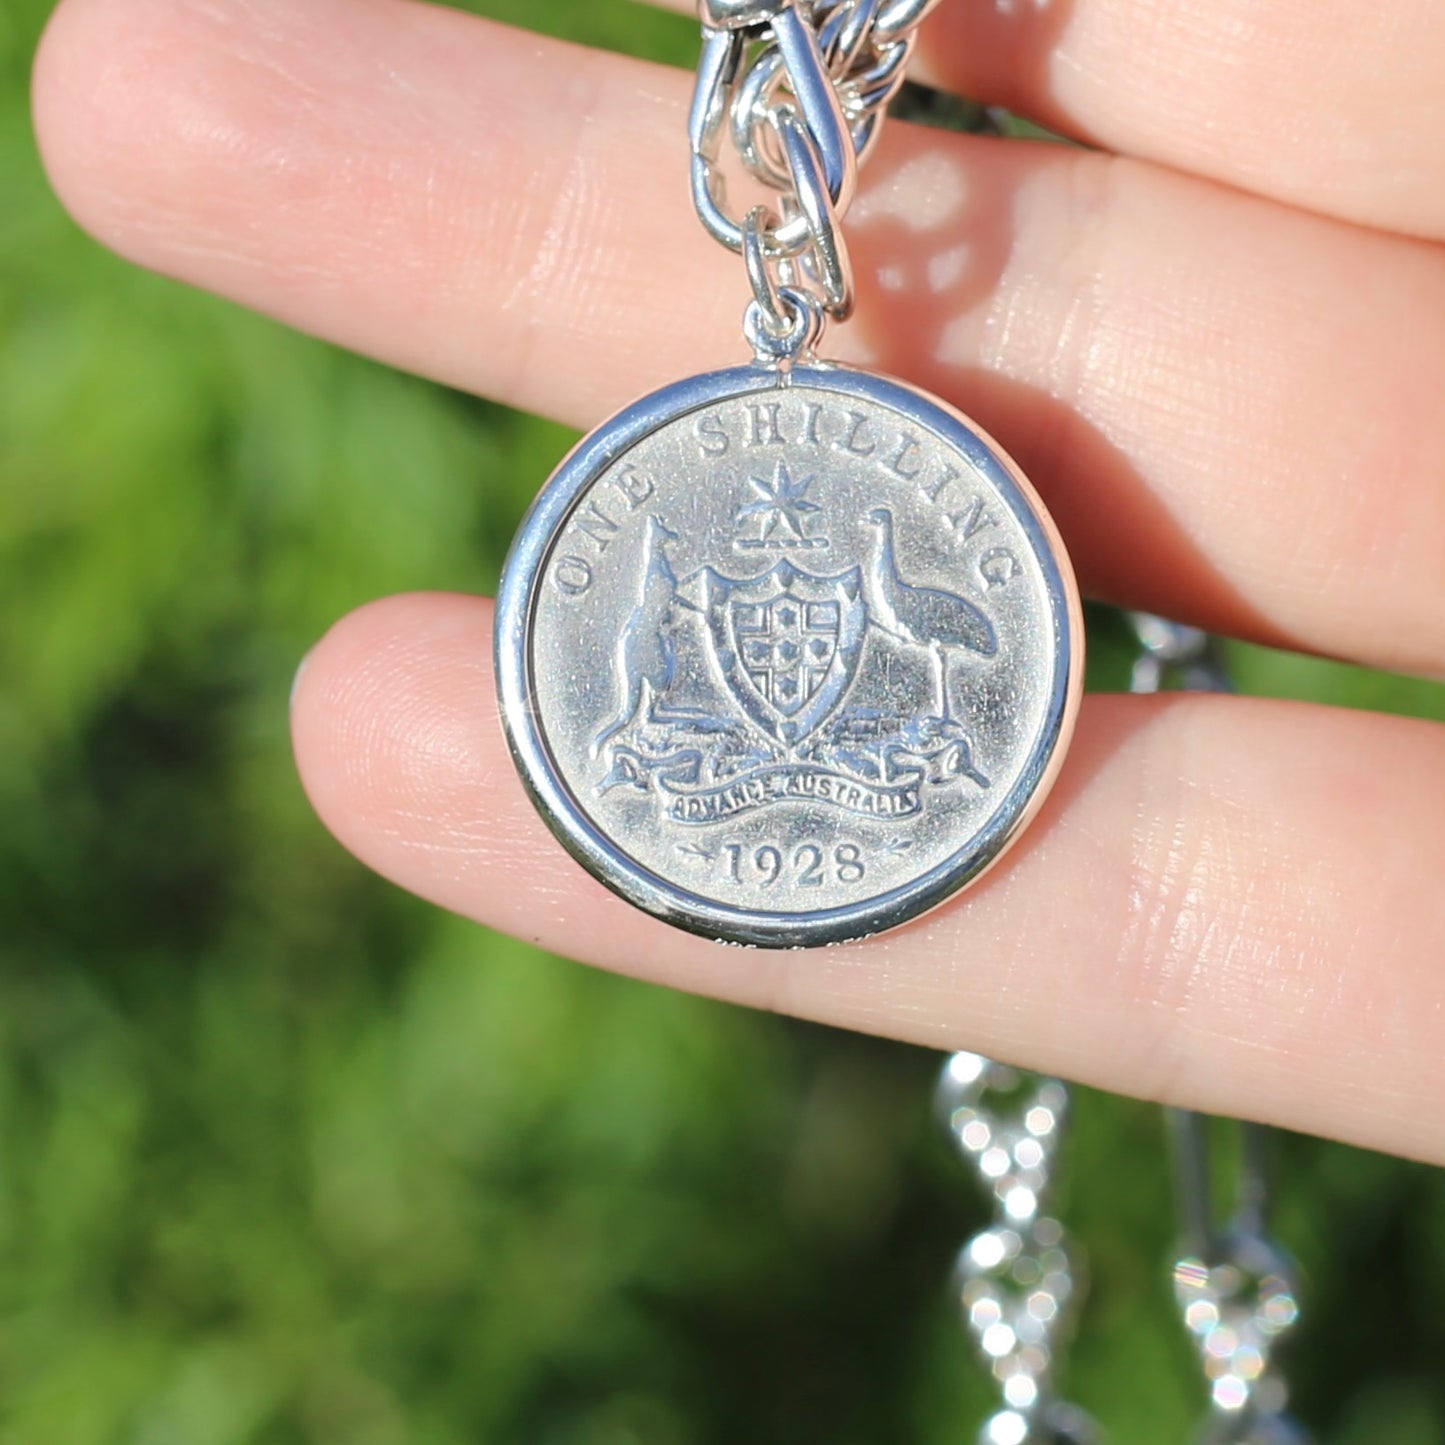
column 781, row 502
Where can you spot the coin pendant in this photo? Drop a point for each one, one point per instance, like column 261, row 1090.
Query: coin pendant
column 788, row 658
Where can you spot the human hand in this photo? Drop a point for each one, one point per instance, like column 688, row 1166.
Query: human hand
column 1216, row 351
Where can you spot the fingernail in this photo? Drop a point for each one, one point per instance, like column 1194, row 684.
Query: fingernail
column 296, row 681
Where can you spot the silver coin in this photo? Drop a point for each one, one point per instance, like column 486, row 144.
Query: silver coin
column 788, row 658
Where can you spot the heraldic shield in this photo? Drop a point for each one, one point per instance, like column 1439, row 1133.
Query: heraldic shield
column 787, row 643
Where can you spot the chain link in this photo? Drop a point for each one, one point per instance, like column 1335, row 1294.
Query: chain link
column 1016, row 1280
column 800, row 87
column 1238, row 1293
column 1236, row 1288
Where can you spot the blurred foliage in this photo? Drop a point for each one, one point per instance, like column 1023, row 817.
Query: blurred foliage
column 287, row 1157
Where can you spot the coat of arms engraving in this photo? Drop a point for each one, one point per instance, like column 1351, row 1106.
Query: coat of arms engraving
column 736, row 693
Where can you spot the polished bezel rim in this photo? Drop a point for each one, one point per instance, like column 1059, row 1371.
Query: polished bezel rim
column 596, row 850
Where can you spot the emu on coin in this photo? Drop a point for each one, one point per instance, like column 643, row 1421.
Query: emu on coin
column 940, row 621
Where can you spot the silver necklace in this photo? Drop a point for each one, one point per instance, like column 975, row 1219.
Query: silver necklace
column 789, row 653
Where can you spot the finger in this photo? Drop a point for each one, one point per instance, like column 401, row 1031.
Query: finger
column 1224, row 904
column 1230, row 406
column 1327, row 104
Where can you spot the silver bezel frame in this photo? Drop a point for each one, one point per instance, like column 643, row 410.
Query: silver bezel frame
column 593, row 456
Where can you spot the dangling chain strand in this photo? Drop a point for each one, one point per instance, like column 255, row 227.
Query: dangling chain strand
column 1235, row 1286
column 800, row 87
column 1016, row 1281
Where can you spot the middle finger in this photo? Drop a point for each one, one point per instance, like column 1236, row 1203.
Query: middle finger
column 1230, row 406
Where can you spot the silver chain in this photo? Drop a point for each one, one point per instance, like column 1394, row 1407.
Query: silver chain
column 1236, row 1288
column 800, row 88
column 1017, row 1283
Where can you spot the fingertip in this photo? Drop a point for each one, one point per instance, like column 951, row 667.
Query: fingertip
column 153, row 121
column 102, row 71
column 368, row 721
column 60, row 103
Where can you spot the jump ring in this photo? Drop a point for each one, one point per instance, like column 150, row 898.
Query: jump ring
column 806, row 325
column 775, row 318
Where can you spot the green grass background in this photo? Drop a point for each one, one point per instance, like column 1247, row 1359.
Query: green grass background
column 287, row 1157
